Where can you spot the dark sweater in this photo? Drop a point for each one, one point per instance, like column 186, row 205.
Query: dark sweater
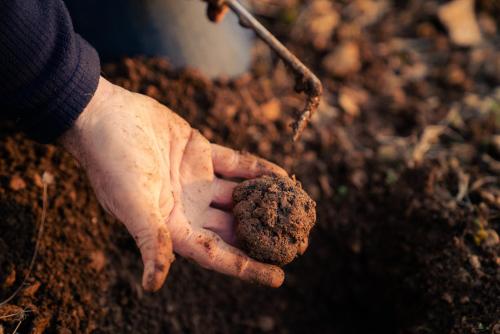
column 48, row 73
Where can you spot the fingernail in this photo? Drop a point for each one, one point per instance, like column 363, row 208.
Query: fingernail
column 149, row 277
column 278, row 278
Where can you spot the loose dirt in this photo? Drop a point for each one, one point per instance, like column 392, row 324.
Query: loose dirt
column 274, row 216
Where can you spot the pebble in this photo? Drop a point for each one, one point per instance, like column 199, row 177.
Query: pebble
column 17, row 183
column 344, row 60
column 459, row 18
column 271, row 110
column 474, row 262
column 97, row 260
column 348, row 104
column 316, row 23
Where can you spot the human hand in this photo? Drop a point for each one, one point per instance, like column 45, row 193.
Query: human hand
column 157, row 175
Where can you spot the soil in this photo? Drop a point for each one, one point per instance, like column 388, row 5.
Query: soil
column 403, row 160
column 274, row 216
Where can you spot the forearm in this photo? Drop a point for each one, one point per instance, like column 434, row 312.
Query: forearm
column 48, row 73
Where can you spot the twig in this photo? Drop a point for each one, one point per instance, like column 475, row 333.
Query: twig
column 47, row 179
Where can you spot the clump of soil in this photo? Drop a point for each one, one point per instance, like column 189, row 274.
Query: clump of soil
column 274, row 216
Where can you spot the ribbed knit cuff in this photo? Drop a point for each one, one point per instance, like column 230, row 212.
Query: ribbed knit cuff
column 71, row 98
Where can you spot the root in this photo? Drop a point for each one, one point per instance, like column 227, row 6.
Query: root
column 47, row 179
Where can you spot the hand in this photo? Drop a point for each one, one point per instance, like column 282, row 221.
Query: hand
column 156, row 174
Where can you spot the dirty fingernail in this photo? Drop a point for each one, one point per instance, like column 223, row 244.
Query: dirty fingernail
column 154, row 276
column 271, row 276
column 277, row 278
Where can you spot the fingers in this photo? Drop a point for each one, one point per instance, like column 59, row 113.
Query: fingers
column 209, row 251
column 221, row 223
column 231, row 163
column 155, row 244
column 223, row 192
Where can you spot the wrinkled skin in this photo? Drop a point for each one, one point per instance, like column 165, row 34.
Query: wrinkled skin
column 156, row 174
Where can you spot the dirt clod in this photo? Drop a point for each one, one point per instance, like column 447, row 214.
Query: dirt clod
column 274, row 216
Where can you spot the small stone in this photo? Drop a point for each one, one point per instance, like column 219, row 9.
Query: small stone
column 344, row 60
column 17, row 183
column 316, row 23
column 348, row 104
column 271, row 110
column 459, row 18
column 97, row 260
column 350, row 99
column 474, row 262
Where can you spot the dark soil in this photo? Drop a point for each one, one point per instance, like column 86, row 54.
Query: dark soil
column 403, row 159
column 274, row 216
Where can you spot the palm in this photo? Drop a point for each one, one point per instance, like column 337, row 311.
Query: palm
column 156, row 174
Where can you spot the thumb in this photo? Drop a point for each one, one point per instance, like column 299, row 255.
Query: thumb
column 153, row 239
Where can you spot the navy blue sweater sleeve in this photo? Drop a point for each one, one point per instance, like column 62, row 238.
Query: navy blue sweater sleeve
column 48, row 73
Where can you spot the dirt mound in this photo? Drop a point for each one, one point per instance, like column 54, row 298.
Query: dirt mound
column 274, row 216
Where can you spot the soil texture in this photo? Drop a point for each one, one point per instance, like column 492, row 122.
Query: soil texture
column 274, row 216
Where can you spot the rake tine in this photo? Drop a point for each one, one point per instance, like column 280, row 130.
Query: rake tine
column 305, row 80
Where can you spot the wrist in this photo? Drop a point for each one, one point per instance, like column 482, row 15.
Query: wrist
column 72, row 140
